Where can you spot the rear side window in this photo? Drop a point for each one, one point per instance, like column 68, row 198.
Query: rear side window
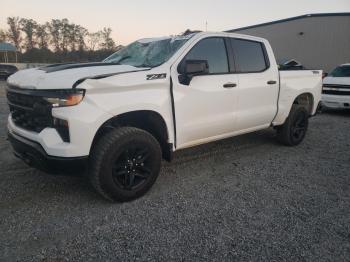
column 249, row 56
column 214, row 51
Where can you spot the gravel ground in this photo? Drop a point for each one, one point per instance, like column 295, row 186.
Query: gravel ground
column 245, row 198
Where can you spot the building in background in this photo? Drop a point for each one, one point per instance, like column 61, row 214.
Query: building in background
column 5, row 50
column 318, row 41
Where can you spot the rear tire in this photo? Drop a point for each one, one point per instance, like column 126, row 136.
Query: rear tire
column 124, row 164
column 293, row 131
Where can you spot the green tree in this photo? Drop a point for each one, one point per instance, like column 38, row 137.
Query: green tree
column 28, row 26
column 81, row 33
column 57, row 41
column 94, row 40
column 76, row 35
column 108, row 43
column 3, row 36
column 55, row 30
column 42, row 36
column 72, row 32
column 14, row 31
column 66, row 31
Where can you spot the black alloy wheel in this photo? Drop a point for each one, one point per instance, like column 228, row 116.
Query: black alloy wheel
column 293, row 131
column 132, row 168
column 299, row 126
column 125, row 163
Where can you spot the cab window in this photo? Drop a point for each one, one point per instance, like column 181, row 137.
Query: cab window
column 249, row 56
column 214, row 51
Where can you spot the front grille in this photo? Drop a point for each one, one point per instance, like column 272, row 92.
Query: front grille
column 340, row 90
column 29, row 111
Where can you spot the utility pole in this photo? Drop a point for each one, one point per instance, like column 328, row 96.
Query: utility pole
column 206, row 26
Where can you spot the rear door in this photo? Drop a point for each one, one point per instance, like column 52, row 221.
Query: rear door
column 258, row 84
column 205, row 109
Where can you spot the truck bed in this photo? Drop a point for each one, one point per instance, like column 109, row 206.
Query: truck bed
column 294, row 82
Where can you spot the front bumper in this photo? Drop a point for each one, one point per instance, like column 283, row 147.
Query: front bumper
column 34, row 155
column 335, row 101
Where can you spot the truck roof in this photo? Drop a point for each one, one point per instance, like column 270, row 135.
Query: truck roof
column 200, row 34
column 227, row 34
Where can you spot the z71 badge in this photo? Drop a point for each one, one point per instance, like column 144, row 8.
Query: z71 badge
column 155, row 76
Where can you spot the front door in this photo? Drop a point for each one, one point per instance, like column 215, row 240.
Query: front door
column 205, row 109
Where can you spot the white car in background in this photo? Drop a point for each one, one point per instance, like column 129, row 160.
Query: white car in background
column 336, row 88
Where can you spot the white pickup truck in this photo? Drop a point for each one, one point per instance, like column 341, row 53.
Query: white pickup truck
column 118, row 118
column 336, row 88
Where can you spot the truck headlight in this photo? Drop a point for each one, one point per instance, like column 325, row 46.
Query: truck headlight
column 65, row 98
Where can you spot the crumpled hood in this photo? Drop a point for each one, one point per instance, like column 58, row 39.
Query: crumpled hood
column 63, row 76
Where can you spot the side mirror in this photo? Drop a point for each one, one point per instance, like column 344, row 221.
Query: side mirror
column 196, row 67
column 190, row 68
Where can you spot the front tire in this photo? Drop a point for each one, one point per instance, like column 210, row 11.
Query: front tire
column 124, row 164
column 293, row 131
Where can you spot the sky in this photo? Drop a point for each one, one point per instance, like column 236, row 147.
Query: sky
column 134, row 19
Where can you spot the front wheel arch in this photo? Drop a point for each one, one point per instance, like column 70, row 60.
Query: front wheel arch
column 147, row 120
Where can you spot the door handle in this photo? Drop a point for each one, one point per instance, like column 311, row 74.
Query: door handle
column 271, row 82
column 229, row 85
